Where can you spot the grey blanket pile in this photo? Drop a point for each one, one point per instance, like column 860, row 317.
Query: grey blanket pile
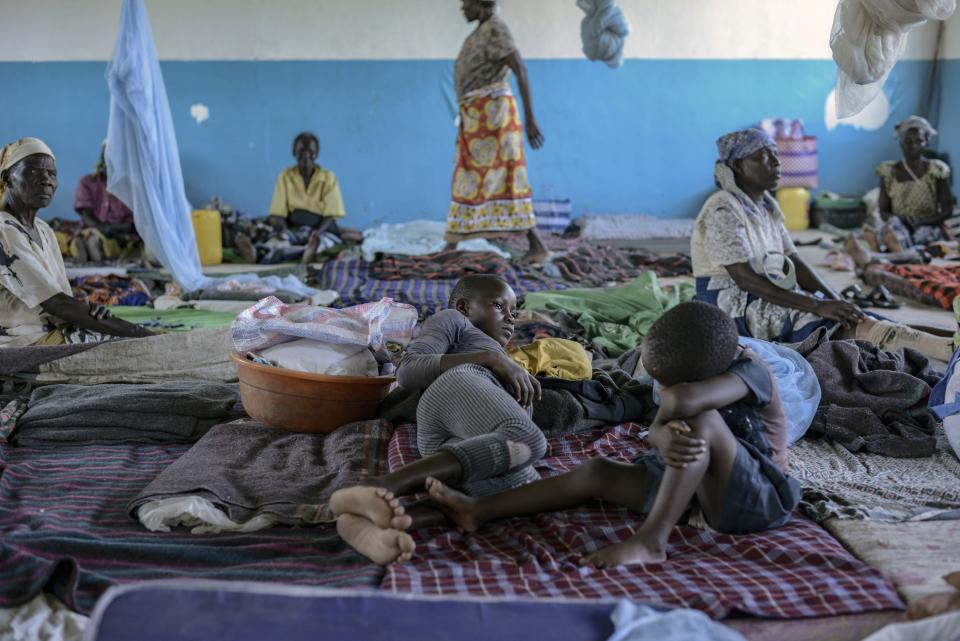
column 247, row 469
column 174, row 412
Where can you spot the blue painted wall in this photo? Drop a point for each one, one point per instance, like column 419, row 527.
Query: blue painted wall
column 638, row 139
column 949, row 124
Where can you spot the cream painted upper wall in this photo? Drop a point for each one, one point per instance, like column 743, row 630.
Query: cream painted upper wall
column 950, row 47
column 40, row 30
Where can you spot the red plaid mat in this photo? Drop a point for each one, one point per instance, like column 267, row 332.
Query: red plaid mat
column 795, row 572
column 934, row 285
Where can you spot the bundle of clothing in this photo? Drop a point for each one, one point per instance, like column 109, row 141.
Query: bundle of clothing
column 111, row 290
column 872, row 400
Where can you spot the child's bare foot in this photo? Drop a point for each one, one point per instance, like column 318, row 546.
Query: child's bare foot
column 459, row 508
column 377, row 544
column 310, row 251
column 889, row 237
column 870, row 235
column 376, row 504
column 633, row 550
column 247, row 250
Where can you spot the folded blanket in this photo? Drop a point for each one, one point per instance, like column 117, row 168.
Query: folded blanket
column 173, row 412
column 251, row 471
column 15, row 360
column 873, row 400
column 440, row 265
column 201, row 355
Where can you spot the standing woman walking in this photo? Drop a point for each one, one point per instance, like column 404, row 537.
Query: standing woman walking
column 491, row 191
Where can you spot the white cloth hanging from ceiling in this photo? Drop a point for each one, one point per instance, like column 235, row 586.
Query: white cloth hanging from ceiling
column 867, row 39
column 603, row 31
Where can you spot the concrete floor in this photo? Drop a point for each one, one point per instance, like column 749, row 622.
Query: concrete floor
column 912, row 313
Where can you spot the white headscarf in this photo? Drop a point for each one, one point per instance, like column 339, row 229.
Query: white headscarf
column 14, row 152
column 914, row 122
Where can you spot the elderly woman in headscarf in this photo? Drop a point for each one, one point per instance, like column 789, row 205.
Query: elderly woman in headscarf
column 491, row 192
column 36, row 304
column 915, row 197
column 745, row 262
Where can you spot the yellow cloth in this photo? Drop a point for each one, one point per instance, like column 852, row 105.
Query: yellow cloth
column 321, row 196
column 554, row 357
column 110, row 247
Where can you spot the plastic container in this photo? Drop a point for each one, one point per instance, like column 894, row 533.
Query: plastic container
column 845, row 213
column 795, row 203
column 302, row 402
column 206, row 227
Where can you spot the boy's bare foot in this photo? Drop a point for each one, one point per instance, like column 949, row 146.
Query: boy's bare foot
column 377, row 544
column 310, row 251
column 458, row 507
column 852, row 246
column 632, row 551
column 889, row 237
column 247, row 250
column 376, row 504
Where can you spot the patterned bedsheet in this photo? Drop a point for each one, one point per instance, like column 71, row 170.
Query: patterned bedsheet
column 356, row 285
column 64, row 529
column 935, row 285
column 796, row 571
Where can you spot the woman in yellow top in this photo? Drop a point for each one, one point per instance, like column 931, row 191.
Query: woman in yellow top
column 491, row 192
column 305, row 207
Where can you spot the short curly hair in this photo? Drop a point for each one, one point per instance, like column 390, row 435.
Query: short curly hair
column 691, row 342
column 307, row 137
column 473, row 285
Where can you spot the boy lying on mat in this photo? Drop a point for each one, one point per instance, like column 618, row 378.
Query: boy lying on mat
column 720, row 437
column 474, row 420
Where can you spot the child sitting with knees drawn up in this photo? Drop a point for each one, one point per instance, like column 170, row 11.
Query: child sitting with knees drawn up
column 474, row 425
column 720, row 437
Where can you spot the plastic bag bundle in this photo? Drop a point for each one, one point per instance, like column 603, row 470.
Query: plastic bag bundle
column 799, row 387
column 603, row 31
column 867, row 39
column 376, row 325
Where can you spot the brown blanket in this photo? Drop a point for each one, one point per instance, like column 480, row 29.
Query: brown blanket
column 248, row 469
column 874, row 401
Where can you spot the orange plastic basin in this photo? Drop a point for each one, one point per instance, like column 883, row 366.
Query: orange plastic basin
column 303, row 402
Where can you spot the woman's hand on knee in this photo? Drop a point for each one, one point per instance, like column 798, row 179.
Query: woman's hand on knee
column 845, row 313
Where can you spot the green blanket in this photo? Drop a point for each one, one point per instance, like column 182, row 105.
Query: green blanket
column 618, row 318
column 173, row 320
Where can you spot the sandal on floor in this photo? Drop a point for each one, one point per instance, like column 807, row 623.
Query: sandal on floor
column 854, row 294
column 882, row 298
column 839, row 261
